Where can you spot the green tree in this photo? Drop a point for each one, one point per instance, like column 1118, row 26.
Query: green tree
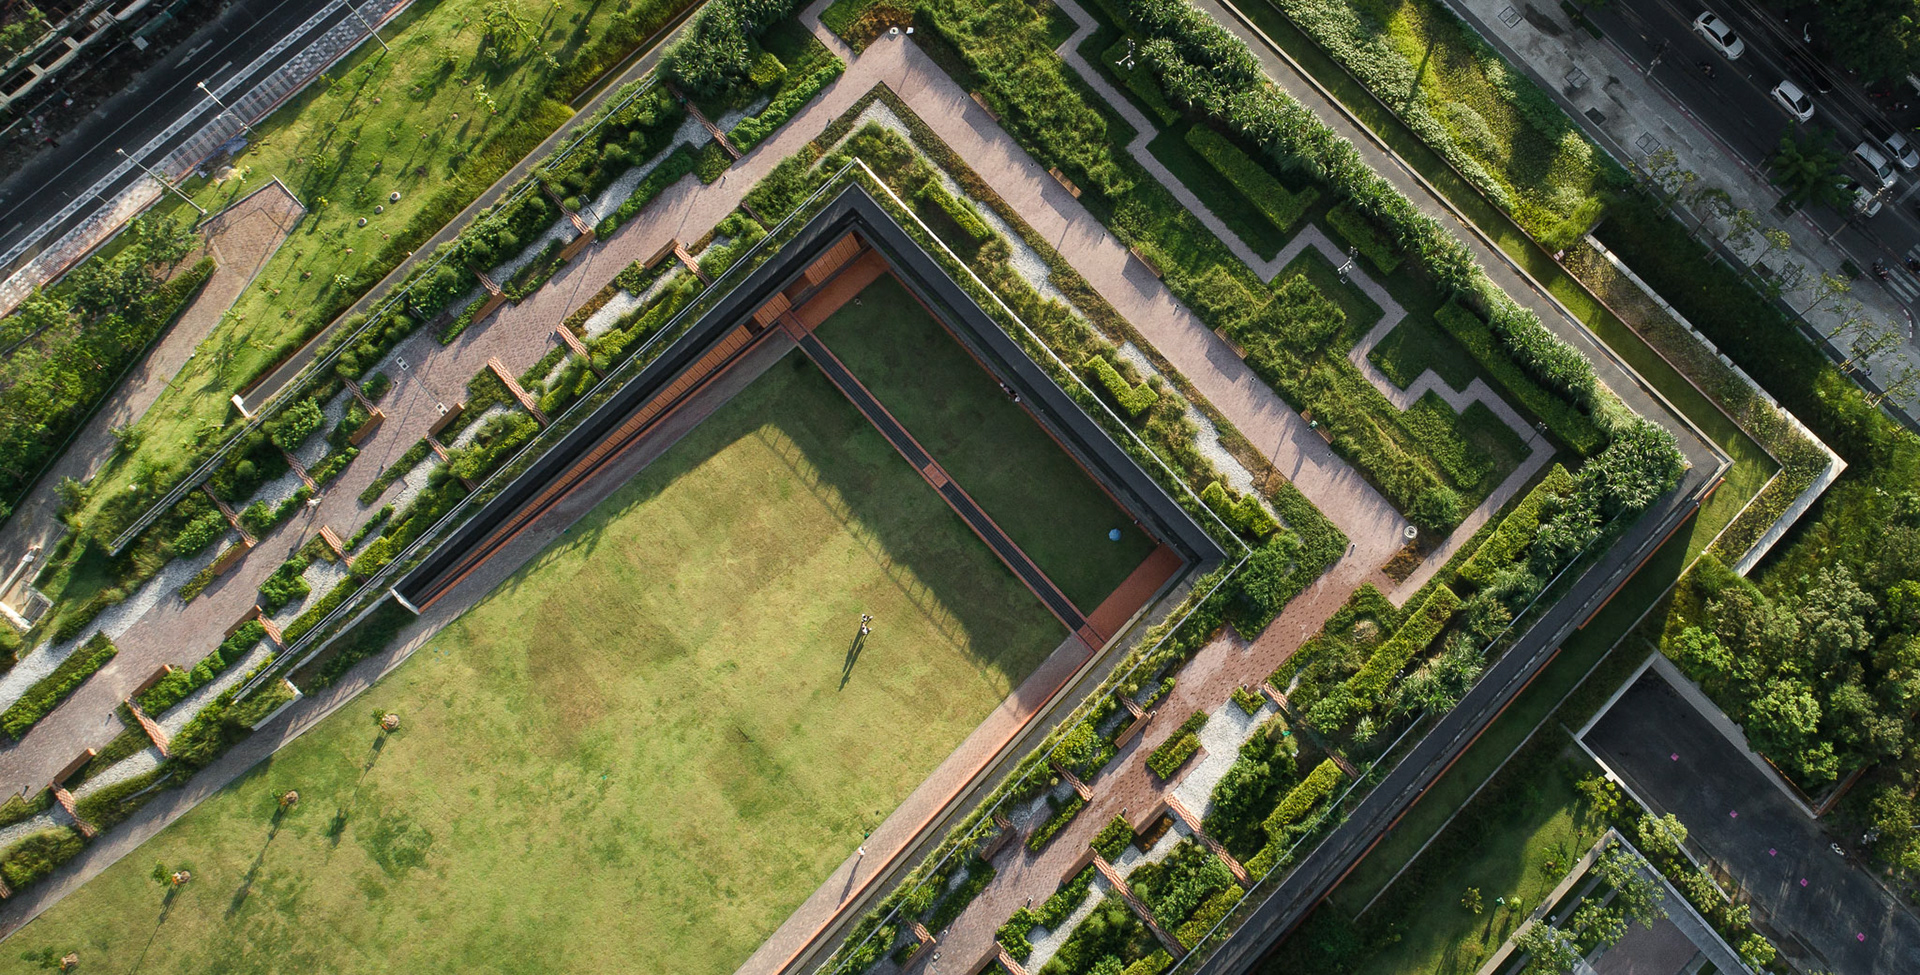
column 1878, row 38
column 1548, row 949
column 1600, row 923
column 1662, row 835
column 1807, row 166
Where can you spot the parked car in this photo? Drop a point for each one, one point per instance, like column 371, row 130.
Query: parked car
column 1795, row 101
column 1864, row 203
column 1719, row 36
column 1876, row 163
column 1901, row 150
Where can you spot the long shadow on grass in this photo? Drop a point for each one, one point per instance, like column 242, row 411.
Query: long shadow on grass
column 829, row 449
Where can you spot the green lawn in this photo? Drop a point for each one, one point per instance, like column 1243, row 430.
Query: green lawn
column 638, row 754
column 1416, row 345
column 436, row 118
column 1215, row 193
column 1046, row 503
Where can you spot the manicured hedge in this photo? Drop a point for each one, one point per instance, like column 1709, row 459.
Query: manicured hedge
column 1389, row 658
column 1049, row 915
column 1574, row 428
column 1063, row 811
column 38, row 855
column 793, row 96
column 197, row 534
column 1302, row 798
column 1153, row 964
column 1132, row 400
column 979, row 874
column 1244, row 515
column 1281, row 206
column 1359, row 231
column 1208, row 914
column 1113, row 838
column 1515, row 532
column 1175, row 751
column 49, row 691
column 174, row 687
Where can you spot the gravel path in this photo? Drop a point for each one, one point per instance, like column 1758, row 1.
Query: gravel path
column 1222, row 736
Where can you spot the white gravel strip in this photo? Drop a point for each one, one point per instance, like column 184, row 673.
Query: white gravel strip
column 1026, row 261
column 1221, row 736
column 560, row 230
column 138, row 763
column 321, row 576
column 1045, row 942
column 1229, row 466
column 274, row 492
column 115, row 620
column 660, row 283
column 622, row 187
column 177, row 716
column 411, row 485
column 616, row 308
column 27, row 827
column 474, row 427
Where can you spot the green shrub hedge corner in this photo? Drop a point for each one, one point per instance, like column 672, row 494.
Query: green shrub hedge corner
column 47, row 693
column 197, row 534
column 174, row 687
column 1209, row 914
column 1573, row 428
column 1301, row 800
column 1053, row 912
column 1139, row 79
column 1271, row 857
column 1249, row 702
column 285, row 585
column 793, row 96
column 1391, row 656
column 1515, row 532
column 1113, row 838
column 1282, row 207
column 1245, row 514
column 1134, row 401
column 1358, row 231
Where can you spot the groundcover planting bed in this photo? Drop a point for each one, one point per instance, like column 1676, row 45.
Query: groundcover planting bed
column 639, row 754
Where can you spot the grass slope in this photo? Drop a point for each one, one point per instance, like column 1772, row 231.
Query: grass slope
column 1030, row 486
column 635, row 755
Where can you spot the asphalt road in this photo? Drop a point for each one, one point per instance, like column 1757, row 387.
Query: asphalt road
column 244, row 31
column 1736, row 106
column 1677, row 763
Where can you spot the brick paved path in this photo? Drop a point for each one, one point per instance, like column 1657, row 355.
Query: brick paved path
column 519, row 335
column 240, row 239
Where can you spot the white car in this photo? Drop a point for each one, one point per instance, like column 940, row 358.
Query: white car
column 1795, row 101
column 1719, row 36
column 1864, row 203
column 1876, row 163
column 1901, row 150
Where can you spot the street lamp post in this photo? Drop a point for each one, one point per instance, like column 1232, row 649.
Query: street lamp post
column 163, row 182
column 224, row 110
column 369, row 26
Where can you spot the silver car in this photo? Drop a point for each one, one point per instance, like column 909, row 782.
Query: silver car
column 1901, row 150
column 1719, row 36
column 1795, row 101
column 1876, row 163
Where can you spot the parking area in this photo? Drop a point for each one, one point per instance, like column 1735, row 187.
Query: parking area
column 1673, row 759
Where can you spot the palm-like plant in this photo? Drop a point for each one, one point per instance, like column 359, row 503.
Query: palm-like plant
column 1808, row 168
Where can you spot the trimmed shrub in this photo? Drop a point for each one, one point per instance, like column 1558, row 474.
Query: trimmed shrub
column 1248, row 701
column 197, row 534
column 1209, row 914
column 1391, row 656
column 46, row 694
column 1134, row 401
column 1113, row 838
column 38, row 855
column 295, row 424
column 1515, row 532
column 1282, row 207
column 174, row 688
column 1063, row 812
column 793, row 96
column 1361, row 233
column 933, row 196
column 1244, row 514
column 1574, row 428
column 1301, row 800
column 285, row 585
column 1175, row 751
column 1153, row 964
column 979, row 874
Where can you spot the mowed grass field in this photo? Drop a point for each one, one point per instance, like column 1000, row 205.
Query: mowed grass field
column 1026, row 482
column 638, row 754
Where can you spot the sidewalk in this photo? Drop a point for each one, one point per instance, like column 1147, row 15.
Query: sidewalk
column 1639, row 119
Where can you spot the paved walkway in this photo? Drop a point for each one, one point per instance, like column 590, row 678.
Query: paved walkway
column 240, row 239
column 519, row 335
